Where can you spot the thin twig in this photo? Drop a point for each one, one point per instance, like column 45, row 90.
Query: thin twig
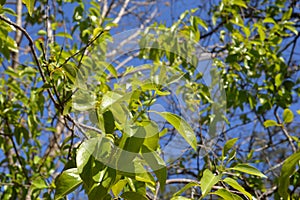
column 31, row 45
column 286, row 133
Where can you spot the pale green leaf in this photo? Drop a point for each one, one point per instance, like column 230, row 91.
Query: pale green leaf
column 288, row 168
column 227, row 195
column 181, row 126
column 207, row 181
column 269, row 20
column 233, row 183
column 269, row 123
column 228, row 145
column 30, row 5
column 118, row 187
column 66, row 35
column 186, row 187
column 288, row 116
column 67, row 182
column 240, row 3
column 84, row 152
column 248, row 169
column 278, row 80
column 292, row 28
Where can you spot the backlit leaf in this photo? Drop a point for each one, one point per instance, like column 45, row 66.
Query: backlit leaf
column 181, row 126
column 67, row 182
column 248, row 169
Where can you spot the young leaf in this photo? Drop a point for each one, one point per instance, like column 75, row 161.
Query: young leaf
column 248, row 169
column 67, row 182
column 181, row 126
column 226, row 194
column 269, row 123
column 187, row 186
column 207, row 181
column 63, row 34
column 30, row 5
column 233, row 183
column 288, row 168
column 228, row 145
column 288, row 116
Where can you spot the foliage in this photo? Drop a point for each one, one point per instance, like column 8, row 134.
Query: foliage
column 76, row 117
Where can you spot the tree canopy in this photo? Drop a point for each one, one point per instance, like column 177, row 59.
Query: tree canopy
column 149, row 99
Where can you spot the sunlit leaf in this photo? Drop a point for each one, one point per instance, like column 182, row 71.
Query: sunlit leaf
column 181, row 126
column 186, row 187
column 288, row 168
column 207, row 181
column 118, row 187
column 288, row 116
column 269, row 123
column 30, row 5
column 67, row 182
column 233, row 183
column 248, row 169
column 225, row 194
column 65, row 35
column 228, row 145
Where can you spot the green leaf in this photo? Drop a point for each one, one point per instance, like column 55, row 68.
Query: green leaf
column 63, row 34
column 269, row 123
column 228, row 145
column 288, row 168
column 133, row 196
column 234, row 184
column 207, row 181
column 84, row 152
column 288, row 116
column 118, row 187
column 180, row 198
column 30, row 5
column 42, row 32
column 287, row 15
column 112, row 70
column 67, row 182
column 98, row 192
column 187, row 186
column 240, row 3
column 109, row 98
column 70, row 71
column 248, row 169
column 226, row 194
column 38, row 183
column 269, row 20
column 181, row 126
column 278, row 80
column 109, row 122
column 292, row 28
column 157, row 164
column 83, row 100
column 152, row 135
